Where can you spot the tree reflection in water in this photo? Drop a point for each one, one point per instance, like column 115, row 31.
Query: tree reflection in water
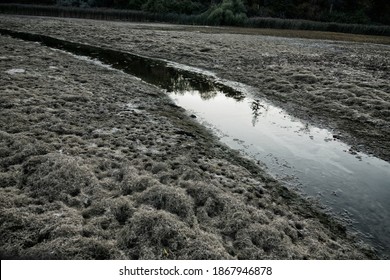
column 256, row 107
column 180, row 84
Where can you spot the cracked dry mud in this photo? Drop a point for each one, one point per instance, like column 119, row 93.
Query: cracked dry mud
column 95, row 164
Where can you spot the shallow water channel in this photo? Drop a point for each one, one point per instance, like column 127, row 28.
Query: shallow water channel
column 354, row 186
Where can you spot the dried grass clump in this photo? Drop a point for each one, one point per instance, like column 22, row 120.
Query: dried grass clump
column 206, row 247
column 294, row 231
column 209, row 198
column 77, row 248
column 96, row 209
column 18, row 230
column 159, row 167
column 138, row 184
column 47, row 231
column 55, row 176
column 16, row 149
column 219, row 209
column 123, row 211
column 22, row 230
column 306, row 78
column 191, row 175
column 132, row 182
column 261, row 241
column 236, row 221
column 281, row 87
column 222, row 212
column 156, row 234
column 170, row 199
column 152, row 234
column 8, row 179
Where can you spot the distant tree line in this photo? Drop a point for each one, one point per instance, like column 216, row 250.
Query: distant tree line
column 235, row 11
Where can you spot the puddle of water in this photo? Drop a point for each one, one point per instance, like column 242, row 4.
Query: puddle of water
column 355, row 187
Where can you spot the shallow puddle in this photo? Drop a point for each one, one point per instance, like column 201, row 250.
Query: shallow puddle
column 352, row 185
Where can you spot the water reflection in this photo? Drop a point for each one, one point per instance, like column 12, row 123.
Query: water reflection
column 256, row 107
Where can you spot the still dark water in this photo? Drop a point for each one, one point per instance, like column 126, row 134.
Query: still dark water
column 354, row 187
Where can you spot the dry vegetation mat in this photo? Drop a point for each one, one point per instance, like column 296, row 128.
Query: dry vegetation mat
column 95, row 164
column 340, row 85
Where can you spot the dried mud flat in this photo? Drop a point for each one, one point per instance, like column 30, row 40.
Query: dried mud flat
column 95, row 164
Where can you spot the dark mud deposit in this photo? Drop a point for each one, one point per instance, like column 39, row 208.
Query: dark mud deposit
column 168, row 192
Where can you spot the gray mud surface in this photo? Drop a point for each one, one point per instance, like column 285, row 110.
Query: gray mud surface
column 343, row 86
column 95, row 164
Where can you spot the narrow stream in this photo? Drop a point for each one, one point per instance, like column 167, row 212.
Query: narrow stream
column 354, row 186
